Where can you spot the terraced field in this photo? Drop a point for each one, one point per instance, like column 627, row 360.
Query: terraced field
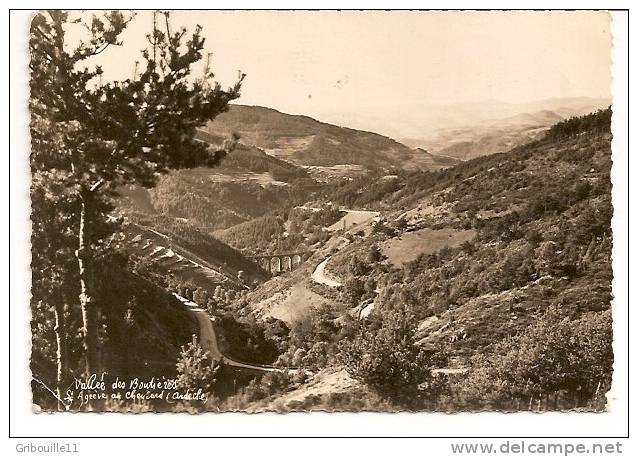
column 157, row 247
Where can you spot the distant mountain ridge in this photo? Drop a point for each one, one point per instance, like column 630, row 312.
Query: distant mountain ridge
column 492, row 136
column 305, row 141
column 418, row 121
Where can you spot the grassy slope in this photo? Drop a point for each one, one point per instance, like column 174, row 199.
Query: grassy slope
column 292, row 304
column 307, row 141
column 410, row 246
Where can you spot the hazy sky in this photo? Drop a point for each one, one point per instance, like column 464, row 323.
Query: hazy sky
column 315, row 62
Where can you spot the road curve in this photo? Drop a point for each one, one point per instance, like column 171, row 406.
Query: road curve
column 319, row 275
column 208, row 339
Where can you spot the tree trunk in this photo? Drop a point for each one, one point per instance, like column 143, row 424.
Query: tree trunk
column 60, row 355
column 87, row 302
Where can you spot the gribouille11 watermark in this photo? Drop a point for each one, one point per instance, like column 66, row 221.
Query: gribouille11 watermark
column 55, row 447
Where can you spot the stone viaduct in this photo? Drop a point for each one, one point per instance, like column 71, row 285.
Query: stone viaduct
column 277, row 263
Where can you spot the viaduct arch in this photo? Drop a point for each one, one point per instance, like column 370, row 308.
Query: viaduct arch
column 277, row 263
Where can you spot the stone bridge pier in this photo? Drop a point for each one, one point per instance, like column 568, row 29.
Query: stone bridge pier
column 277, row 263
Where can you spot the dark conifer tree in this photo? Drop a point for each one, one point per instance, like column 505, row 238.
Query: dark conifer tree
column 89, row 138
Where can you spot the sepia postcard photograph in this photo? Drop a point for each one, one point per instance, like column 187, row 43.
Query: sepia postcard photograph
column 338, row 211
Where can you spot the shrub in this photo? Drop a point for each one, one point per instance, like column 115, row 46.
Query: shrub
column 195, row 368
column 383, row 355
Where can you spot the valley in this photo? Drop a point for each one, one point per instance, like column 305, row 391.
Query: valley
column 468, row 256
column 279, row 211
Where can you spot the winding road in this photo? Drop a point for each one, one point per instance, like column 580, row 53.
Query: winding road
column 319, row 275
column 208, row 340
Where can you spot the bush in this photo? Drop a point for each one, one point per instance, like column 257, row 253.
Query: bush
column 353, row 290
column 195, row 368
column 383, row 355
column 554, row 354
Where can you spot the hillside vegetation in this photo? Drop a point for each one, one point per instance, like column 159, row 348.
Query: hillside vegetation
column 147, row 328
column 298, row 230
column 248, row 158
column 485, row 285
column 272, row 168
column 306, row 141
column 247, row 184
column 192, row 243
column 202, row 199
column 518, row 313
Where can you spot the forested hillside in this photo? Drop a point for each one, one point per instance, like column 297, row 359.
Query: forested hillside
column 247, row 184
column 487, row 284
column 147, row 328
column 212, row 204
column 517, row 313
column 296, row 230
column 257, row 236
